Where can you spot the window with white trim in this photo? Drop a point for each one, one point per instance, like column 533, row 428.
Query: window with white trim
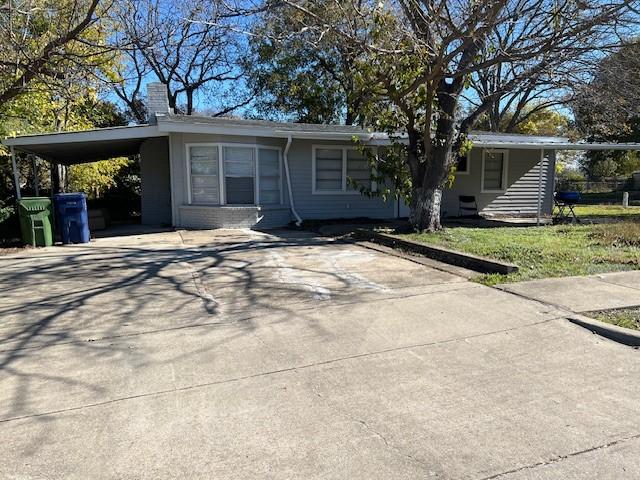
column 234, row 174
column 328, row 169
column 358, row 170
column 269, row 176
column 239, row 175
column 332, row 166
column 494, row 170
column 203, row 171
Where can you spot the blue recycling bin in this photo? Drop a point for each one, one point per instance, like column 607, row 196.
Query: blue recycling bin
column 73, row 219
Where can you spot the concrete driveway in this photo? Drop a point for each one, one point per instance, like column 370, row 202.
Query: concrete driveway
column 246, row 355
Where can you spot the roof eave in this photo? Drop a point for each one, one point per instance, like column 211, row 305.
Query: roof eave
column 103, row 134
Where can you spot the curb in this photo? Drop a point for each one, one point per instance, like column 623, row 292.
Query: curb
column 612, row 332
column 419, row 259
column 453, row 257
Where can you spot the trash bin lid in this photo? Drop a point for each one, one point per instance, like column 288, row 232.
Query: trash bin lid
column 75, row 196
column 34, row 204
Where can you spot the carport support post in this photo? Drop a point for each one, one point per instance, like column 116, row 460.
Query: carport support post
column 36, row 186
column 540, row 187
column 16, row 174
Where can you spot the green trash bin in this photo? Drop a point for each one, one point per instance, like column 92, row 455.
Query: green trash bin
column 36, row 221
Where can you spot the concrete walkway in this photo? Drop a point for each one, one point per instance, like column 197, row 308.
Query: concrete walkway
column 235, row 355
column 583, row 294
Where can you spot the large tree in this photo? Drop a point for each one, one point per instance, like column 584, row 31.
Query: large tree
column 295, row 80
column 191, row 47
column 41, row 41
column 420, row 55
column 607, row 109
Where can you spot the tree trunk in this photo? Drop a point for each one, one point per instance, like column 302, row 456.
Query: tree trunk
column 55, row 178
column 189, row 93
column 425, row 209
column 426, row 196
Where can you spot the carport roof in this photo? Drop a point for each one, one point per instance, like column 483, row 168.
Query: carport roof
column 104, row 143
column 86, row 146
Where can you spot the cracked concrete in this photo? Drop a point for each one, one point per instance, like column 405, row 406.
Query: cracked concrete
column 196, row 355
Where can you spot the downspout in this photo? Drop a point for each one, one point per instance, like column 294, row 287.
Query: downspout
column 540, row 187
column 285, row 156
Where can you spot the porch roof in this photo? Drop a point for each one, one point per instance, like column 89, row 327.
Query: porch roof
column 537, row 142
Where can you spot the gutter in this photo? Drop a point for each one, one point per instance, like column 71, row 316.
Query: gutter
column 285, row 157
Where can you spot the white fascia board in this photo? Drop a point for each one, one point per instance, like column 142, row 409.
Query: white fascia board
column 103, row 134
column 168, row 126
column 375, row 138
column 255, row 131
column 559, row 146
column 380, row 141
column 323, row 135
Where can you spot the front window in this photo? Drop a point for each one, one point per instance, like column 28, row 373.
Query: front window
column 336, row 169
column 239, row 175
column 204, row 168
column 329, row 171
column 270, row 179
column 234, row 174
column 358, row 170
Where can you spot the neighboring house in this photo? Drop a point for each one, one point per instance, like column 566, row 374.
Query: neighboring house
column 203, row 172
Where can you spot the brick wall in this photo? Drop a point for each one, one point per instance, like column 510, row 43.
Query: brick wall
column 157, row 100
column 233, row 217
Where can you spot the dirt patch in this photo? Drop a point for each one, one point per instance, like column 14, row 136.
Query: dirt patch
column 12, row 250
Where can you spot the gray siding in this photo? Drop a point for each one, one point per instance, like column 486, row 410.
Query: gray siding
column 154, row 174
column 519, row 198
column 308, row 205
column 323, row 206
column 521, row 195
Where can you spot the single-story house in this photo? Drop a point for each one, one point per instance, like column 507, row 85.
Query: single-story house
column 204, row 172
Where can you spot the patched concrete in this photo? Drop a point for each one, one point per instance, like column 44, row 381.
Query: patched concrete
column 235, row 354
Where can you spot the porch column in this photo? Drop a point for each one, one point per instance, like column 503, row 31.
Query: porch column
column 538, row 219
column 16, row 174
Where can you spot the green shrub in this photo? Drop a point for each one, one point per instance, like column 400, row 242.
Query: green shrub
column 9, row 225
column 6, row 211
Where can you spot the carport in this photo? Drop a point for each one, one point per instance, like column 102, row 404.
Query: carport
column 72, row 148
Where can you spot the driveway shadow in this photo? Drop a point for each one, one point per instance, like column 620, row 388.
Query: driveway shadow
column 79, row 295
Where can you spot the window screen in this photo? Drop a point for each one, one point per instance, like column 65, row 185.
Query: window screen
column 205, row 185
column 329, row 169
column 239, row 175
column 358, row 170
column 494, row 171
column 269, row 168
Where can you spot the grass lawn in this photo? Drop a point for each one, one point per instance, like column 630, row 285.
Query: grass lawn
column 548, row 251
column 623, row 317
column 607, row 211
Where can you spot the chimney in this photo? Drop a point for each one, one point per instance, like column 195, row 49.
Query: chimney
column 157, row 101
